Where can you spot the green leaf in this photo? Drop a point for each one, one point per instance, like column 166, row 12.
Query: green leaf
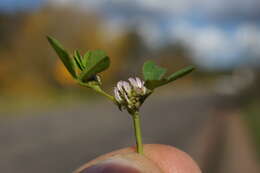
column 78, row 56
column 180, row 73
column 78, row 59
column 152, row 84
column 95, row 62
column 153, row 75
column 86, row 57
column 152, row 72
column 63, row 55
column 78, row 63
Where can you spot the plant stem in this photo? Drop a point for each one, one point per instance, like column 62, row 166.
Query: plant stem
column 99, row 90
column 138, row 134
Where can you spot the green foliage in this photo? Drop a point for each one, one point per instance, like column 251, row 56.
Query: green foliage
column 154, row 75
column 152, row 84
column 63, row 55
column 78, row 60
column 85, row 69
column 152, row 72
column 180, row 73
column 94, row 62
column 127, row 95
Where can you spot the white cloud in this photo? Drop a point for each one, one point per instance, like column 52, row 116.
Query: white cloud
column 207, row 7
column 172, row 6
column 211, row 7
column 214, row 47
column 249, row 37
column 209, row 40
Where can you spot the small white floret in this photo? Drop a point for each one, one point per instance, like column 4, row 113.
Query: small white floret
column 127, row 87
column 133, row 82
column 139, row 82
column 120, row 86
column 117, row 95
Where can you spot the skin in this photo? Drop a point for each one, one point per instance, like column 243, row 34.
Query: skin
column 157, row 158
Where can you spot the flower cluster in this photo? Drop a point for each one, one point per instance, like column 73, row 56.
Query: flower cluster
column 130, row 95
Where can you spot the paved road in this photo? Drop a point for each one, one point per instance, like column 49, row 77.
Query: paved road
column 58, row 141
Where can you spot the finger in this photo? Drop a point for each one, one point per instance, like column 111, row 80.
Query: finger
column 157, row 159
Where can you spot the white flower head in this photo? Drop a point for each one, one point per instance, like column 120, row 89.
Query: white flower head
column 130, row 95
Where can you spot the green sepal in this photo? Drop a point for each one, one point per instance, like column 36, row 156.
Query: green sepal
column 63, row 55
column 95, row 62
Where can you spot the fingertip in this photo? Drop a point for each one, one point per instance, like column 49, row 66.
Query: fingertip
column 157, row 158
column 171, row 159
column 121, row 163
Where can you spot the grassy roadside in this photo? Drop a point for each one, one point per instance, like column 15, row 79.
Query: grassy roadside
column 252, row 117
column 20, row 105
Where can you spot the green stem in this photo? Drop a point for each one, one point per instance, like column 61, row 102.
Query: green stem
column 138, row 134
column 99, row 90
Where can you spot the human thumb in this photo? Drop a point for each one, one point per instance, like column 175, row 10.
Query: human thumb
column 157, row 159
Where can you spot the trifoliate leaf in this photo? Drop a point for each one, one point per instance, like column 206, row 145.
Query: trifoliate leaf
column 63, row 55
column 152, row 84
column 95, row 62
column 152, row 72
column 153, row 75
column 180, row 73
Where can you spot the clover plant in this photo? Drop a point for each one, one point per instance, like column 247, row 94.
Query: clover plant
column 128, row 95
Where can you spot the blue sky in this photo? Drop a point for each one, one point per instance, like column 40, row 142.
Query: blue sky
column 14, row 5
column 220, row 33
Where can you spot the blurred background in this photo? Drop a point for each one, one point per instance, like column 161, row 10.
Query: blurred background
column 49, row 124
